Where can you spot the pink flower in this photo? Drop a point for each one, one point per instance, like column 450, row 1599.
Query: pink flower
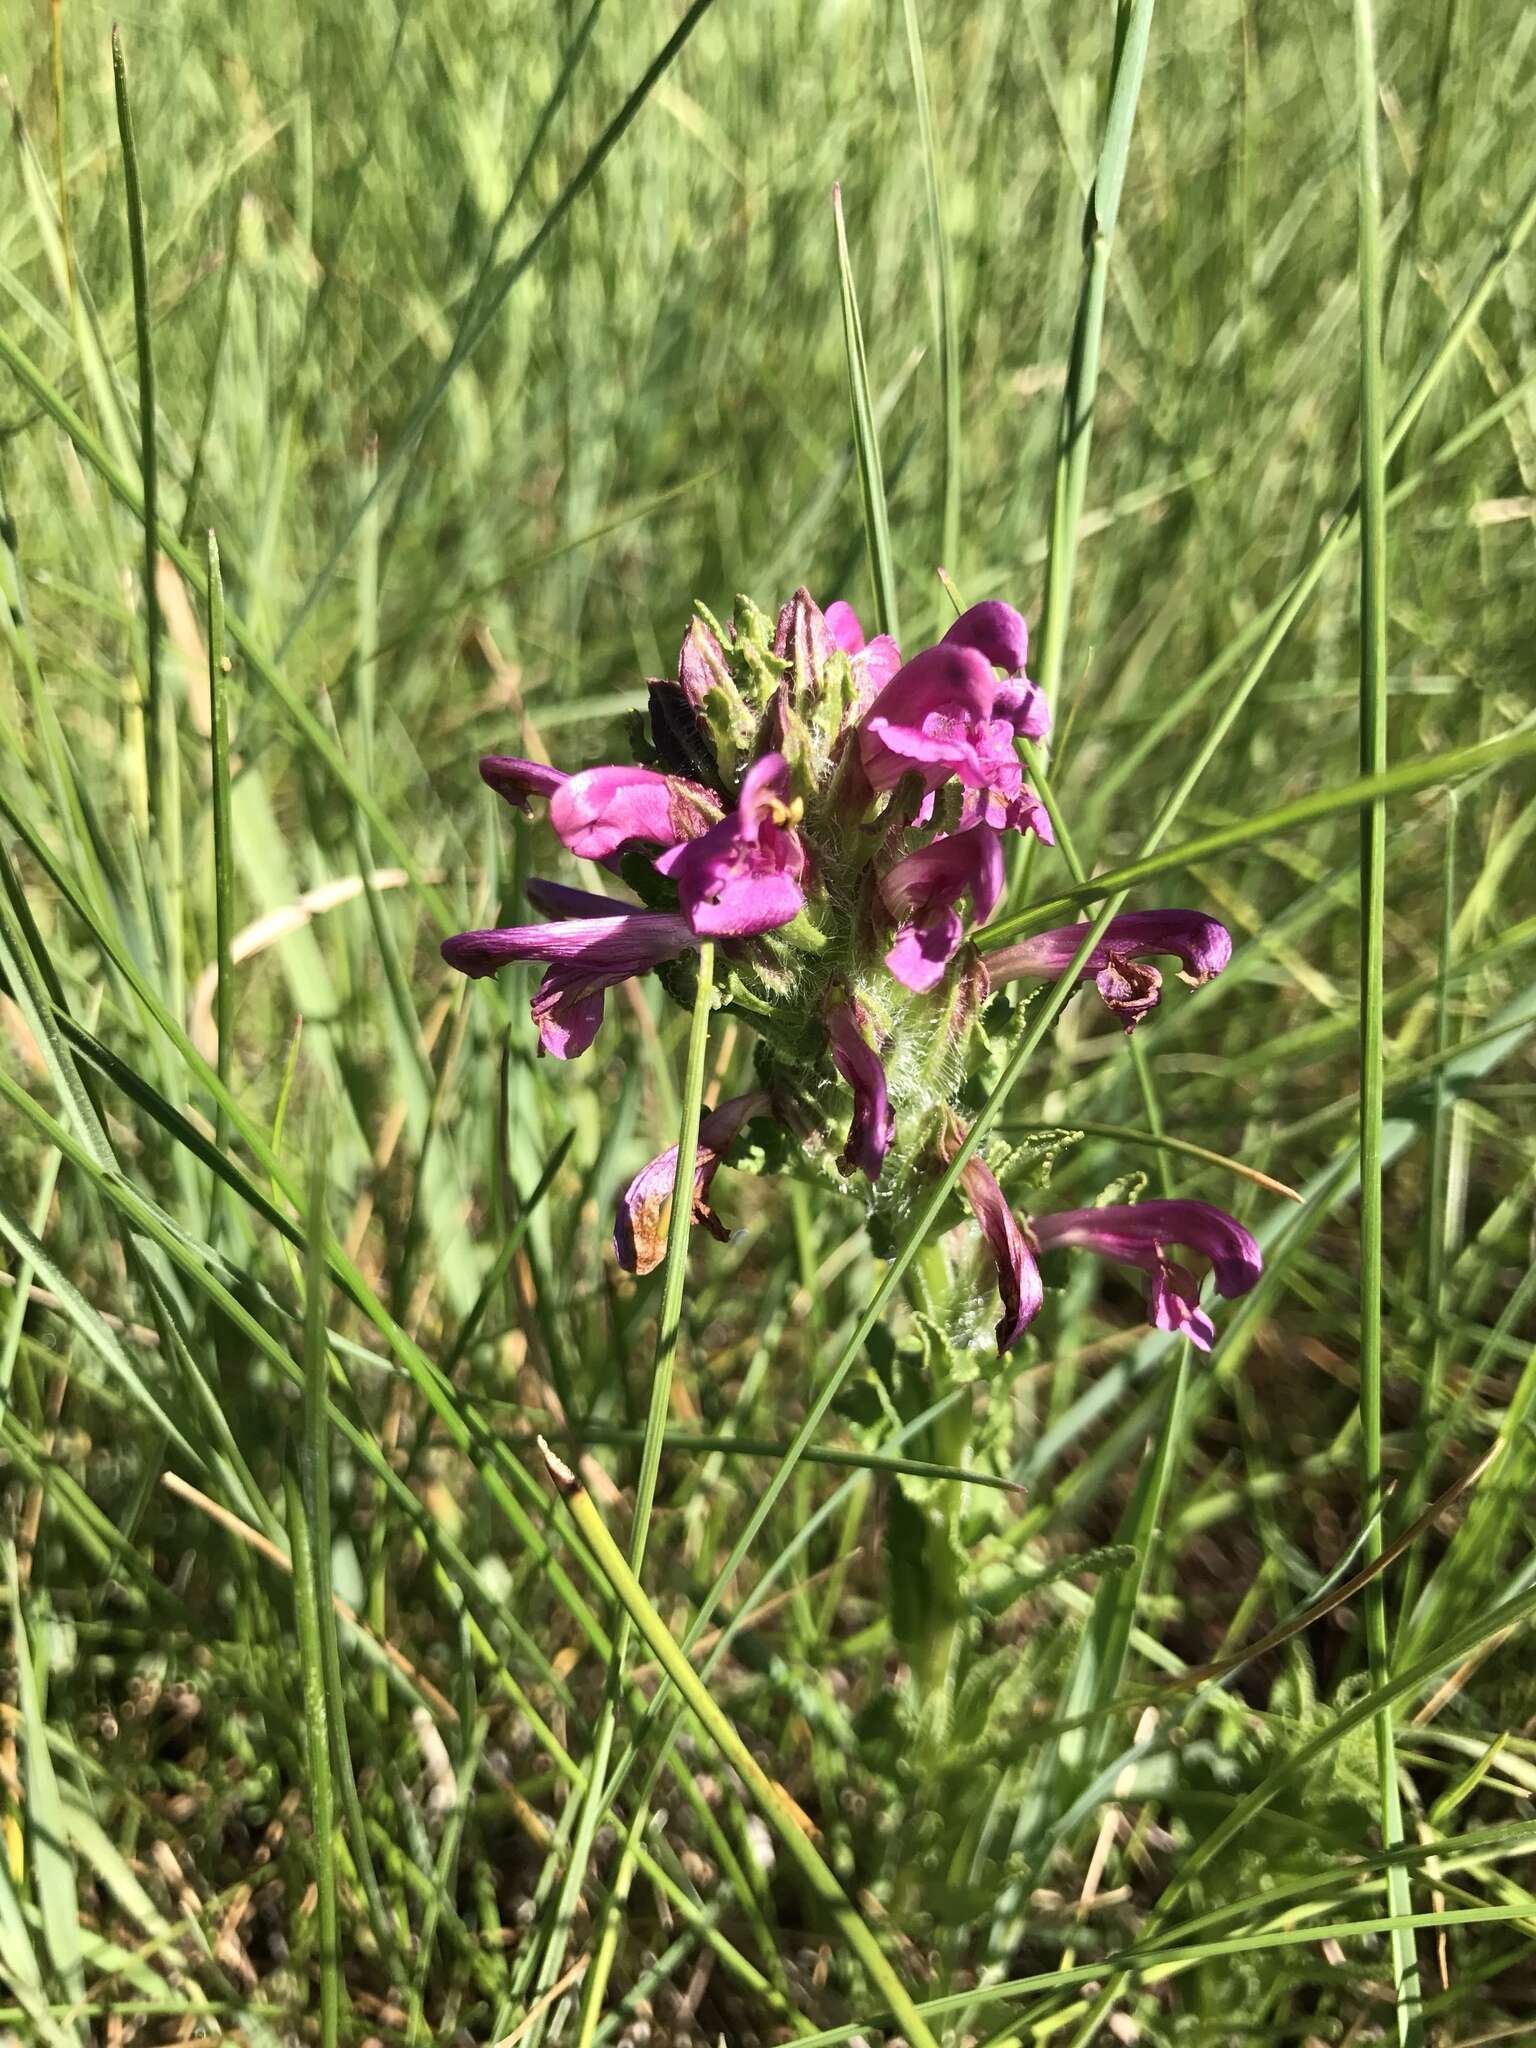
column 586, row 954
column 1140, row 1234
column 743, row 875
column 1021, row 813
column 602, row 809
column 938, row 715
column 873, row 1129
column 1018, row 1277
column 874, row 661
column 1116, row 965
column 999, row 633
column 924, row 888
column 639, row 1241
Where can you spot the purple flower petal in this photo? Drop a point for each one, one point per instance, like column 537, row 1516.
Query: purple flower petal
column 562, row 901
column 1023, row 704
column 998, row 632
column 568, row 1027
column 843, row 622
column 517, row 780
column 1131, row 990
column 873, row 1129
column 1201, row 945
column 936, row 715
column 874, row 661
column 764, row 794
column 924, row 948
column 956, row 864
column 626, row 942
column 639, row 1239
column 1021, row 813
column 878, row 662
column 602, row 809
column 1141, row 1233
column 586, row 955
column 1173, row 1302
column 924, row 887
column 1018, row 1277
column 743, row 876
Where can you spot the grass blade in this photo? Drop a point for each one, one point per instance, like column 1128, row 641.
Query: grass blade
column 223, row 838
column 1074, row 440
column 53, row 1872
column 491, row 295
column 946, row 314
column 149, row 466
column 1404, row 778
column 877, row 525
column 777, row 1809
column 668, row 1327
column 1373, row 901
column 317, row 1742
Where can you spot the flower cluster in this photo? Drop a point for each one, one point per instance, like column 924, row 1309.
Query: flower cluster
column 836, row 820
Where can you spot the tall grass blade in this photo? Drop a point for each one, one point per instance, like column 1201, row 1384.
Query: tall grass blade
column 52, row 1870
column 866, row 442
column 1074, row 440
column 155, row 722
column 492, row 294
column 945, row 309
column 1373, row 886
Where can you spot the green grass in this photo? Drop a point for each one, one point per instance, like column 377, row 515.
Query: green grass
column 485, row 343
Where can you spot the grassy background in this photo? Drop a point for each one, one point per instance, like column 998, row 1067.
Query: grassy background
column 657, row 410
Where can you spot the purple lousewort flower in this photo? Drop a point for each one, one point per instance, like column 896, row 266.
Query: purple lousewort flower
column 586, row 954
column 938, row 716
column 1117, row 964
column 923, row 889
column 876, row 660
column 517, row 780
column 602, row 809
column 873, row 1128
column 843, row 622
column 743, row 876
column 1141, row 1233
column 997, row 631
column 808, row 724
column 1018, row 1277
column 639, row 1239
column 1022, row 813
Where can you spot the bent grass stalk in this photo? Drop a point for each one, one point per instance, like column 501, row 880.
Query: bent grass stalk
column 786, row 1820
column 669, row 1323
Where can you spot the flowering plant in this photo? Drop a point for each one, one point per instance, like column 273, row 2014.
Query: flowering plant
column 827, row 813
